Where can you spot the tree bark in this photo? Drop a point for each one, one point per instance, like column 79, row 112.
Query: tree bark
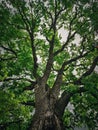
column 46, row 116
column 48, row 121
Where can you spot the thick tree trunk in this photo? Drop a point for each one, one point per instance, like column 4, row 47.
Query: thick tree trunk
column 47, row 121
column 46, row 115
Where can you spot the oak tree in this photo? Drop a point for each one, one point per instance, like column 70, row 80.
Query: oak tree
column 48, row 61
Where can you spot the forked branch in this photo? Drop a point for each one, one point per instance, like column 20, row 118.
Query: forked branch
column 58, row 81
column 65, row 97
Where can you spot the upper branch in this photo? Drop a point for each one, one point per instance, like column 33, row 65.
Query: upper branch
column 65, row 97
column 24, row 19
column 49, row 61
column 70, row 36
column 88, row 72
column 58, row 81
column 16, row 78
column 51, row 43
column 34, row 56
column 9, row 49
column 30, row 30
column 10, row 57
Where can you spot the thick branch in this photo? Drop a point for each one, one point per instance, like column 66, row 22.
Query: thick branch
column 34, row 56
column 49, row 62
column 58, row 81
column 66, row 96
column 65, row 99
column 62, row 103
column 53, row 26
column 51, row 42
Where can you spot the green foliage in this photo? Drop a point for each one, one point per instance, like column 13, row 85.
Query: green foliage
column 10, row 108
column 22, row 22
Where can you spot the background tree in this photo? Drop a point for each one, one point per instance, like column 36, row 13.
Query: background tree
column 47, row 62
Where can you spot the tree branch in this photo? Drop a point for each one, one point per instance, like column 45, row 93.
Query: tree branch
column 9, row 49
column 58, row 81
column 30, row 30
column 63, row 102
column 28, row 103
column 51, row 42
column 24, row 20
column 88, row 72
column 34, row 57
column 16, row 78
column 65, row 98
column 69, row 37
column 31, row 86
column 51, row 55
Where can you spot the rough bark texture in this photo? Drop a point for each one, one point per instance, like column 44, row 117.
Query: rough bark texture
column 46, row 115
column 47, row 121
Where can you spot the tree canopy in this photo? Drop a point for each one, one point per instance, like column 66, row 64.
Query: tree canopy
column 48, row 47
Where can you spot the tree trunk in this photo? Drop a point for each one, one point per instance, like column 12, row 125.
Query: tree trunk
column 47, row 121
column 46, row 116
